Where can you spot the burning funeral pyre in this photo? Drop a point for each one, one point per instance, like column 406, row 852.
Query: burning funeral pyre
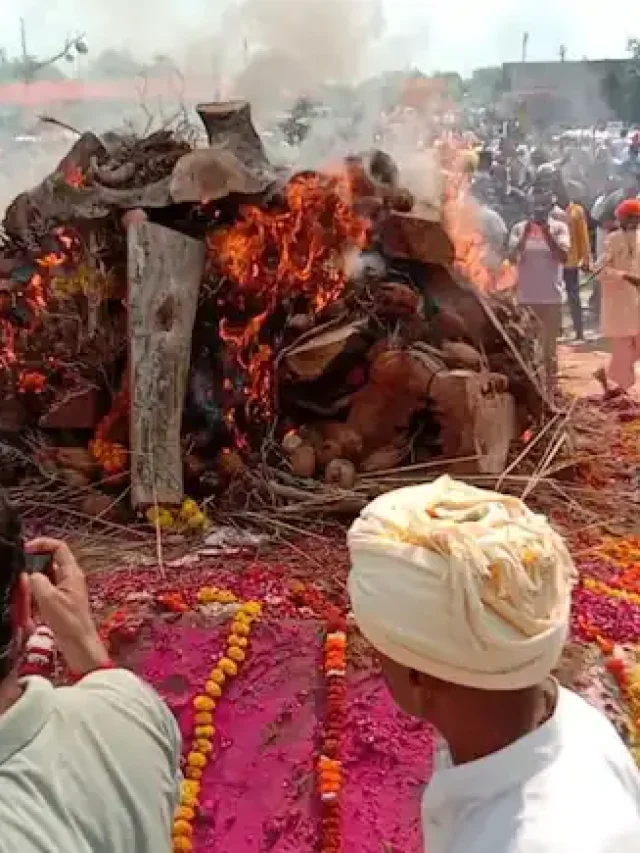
column 181, row 318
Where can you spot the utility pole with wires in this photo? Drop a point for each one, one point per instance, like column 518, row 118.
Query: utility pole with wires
column 525, row 46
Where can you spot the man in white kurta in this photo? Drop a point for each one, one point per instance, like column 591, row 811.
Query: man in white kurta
column 466, row 596
column 620, row 298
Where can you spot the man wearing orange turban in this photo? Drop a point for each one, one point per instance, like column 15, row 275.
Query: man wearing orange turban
column 620, row 311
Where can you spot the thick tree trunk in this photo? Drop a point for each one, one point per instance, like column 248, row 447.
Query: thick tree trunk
column 164, row 271
column 475, row 420
column 229, row 125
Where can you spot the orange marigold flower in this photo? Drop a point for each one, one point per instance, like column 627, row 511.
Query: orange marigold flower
column 197, row 759
column 204, row 732
column 217, row 675
column 226, row 664
column 185, row 813
column 182, row 827
column 204, row 718
column 204, row 703
column 236, row 654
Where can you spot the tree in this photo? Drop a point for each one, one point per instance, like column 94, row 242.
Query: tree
column 621, row 86
column 115, row 65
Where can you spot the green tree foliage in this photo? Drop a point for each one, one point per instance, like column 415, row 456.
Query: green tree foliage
column 621, row 87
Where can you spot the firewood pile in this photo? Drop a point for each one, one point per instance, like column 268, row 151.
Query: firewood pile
column 190, row 319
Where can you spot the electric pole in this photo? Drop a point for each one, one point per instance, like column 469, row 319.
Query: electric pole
column 525, row 46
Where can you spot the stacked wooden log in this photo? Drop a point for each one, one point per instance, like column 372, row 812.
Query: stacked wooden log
column 406, row 361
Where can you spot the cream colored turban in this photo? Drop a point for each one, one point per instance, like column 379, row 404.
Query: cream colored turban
column 466, row 585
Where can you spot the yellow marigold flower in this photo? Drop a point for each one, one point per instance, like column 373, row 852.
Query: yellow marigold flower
column 204, row 718
column 236, row 654
column 204, row 732
column 226, row 597
column 192, row 789
column 203, row 745
column 197, row 759
column 240, row 628
column 243, row 617
column 235, row 640
column 182, row 844
column 217, row 676
column 212, row 689
column 197, row 520
column 188, row 509
column 193, row 773
column 207, row 595
column 182, row 827
column 227, row 665
column 253, row 608
column 204, row 703
column 185, row 813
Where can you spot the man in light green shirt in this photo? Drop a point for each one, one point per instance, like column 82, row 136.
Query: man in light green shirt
column 92, row 768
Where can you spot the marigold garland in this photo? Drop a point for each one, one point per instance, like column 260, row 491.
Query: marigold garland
column 204, row 704
column 329, row 766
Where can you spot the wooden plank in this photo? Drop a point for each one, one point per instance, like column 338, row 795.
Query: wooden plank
column 164, row 273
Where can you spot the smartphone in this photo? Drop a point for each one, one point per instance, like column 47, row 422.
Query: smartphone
column 39, row 564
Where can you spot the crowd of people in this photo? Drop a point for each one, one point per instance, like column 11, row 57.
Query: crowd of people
column 566, row 215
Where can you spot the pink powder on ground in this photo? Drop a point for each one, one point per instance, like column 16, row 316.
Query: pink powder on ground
column 388, row 761
column 259, row 792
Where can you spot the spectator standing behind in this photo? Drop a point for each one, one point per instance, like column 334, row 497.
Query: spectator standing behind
column 539, row 246
column 91, row 767
column 466, row 597
column 620, row 278
column 579, row 258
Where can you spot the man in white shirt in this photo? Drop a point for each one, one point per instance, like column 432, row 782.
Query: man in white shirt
column 540, row 246
column 93, row 767
column 466, row 596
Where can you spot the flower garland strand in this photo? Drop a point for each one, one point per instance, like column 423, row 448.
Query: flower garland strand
column 204, row 704
column 39, row 657
column 329, row 769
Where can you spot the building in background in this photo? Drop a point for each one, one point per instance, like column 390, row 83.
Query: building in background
column 563, row 93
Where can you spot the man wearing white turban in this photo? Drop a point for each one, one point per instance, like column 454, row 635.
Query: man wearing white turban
column 466, row 596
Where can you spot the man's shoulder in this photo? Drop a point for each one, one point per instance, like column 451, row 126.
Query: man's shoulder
column 120, row 694
column 532, row 821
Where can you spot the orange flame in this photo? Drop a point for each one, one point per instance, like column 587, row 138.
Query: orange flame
column 296, row 252
column 460, row 219
column 74, row 177
column 36, row 294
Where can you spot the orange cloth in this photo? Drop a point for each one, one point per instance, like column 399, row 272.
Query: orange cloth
column 580, row 250
column 630, row 207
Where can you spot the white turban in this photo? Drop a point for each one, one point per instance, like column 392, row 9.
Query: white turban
column 463, row 584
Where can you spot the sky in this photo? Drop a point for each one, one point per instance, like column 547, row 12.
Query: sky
column 454, row 35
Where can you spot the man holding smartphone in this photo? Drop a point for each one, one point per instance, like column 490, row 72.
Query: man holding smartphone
column 539, row 247
column 94, row 766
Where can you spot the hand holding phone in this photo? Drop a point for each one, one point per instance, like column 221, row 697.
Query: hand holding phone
column 41, row 564
column 59, row 589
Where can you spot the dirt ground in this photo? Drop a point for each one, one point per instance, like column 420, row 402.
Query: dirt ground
column 578, row 362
